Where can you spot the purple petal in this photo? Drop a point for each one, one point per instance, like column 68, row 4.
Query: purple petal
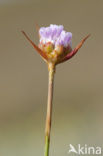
column 56, row 35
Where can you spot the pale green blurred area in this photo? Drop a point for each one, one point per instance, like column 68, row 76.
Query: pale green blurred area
column 78, row 91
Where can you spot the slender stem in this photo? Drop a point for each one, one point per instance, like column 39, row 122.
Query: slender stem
column 51, row 68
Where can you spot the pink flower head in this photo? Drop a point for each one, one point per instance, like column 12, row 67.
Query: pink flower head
column 56, row 35
column 55, row 44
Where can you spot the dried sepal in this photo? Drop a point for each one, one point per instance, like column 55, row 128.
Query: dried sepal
column 74, row 51
column 42, row 53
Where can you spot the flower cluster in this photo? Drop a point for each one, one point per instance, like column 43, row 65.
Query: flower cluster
column 55, row 44
column 56, row 35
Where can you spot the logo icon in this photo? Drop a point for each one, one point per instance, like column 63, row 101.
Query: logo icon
column 72, row 149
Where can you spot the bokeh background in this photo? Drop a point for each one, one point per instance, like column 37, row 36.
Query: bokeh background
column 78, row 94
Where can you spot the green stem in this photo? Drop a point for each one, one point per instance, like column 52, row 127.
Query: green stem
column 51, row 68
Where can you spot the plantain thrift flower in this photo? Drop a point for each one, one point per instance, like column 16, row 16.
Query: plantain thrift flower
column 55, row 44
column 55, row 41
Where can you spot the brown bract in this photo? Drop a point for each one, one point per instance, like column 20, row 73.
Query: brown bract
column 74, row 51
column 42, row 53
column 62, row 58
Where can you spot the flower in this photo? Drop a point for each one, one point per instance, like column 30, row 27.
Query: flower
column 55, row 44
column 55, row 41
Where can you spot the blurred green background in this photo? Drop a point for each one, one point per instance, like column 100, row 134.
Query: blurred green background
column 78, row 94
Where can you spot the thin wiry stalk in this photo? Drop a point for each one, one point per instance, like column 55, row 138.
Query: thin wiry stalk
column 49, row 108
